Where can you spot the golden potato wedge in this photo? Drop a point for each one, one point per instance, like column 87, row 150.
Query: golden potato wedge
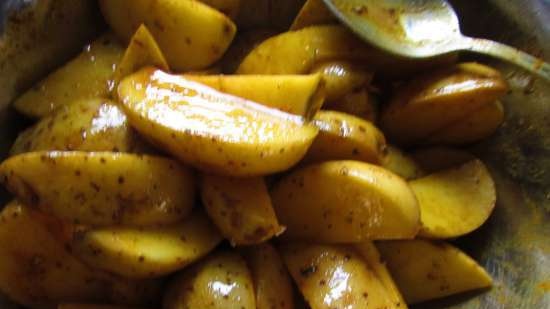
column 314, row 12
column 401, row 164
column 90, row 306
column 478, row 125
column 227, row 7
column 344, row 202
column 241, row 208
column 435, row 159
column 86, row 125
column 85, row 77
column 272, row 282
column 337, row 276
column 296, row 52
column 341, row 78
column 190, row 34
column 141, row 51
column 424, row 269
column 372, row 257
column 302, row 95
column 147, row 252
column 37, row 270
column 243, row 43
column 220, row 281
column 430, row 103
column 455, row 201
column 359, row 103
column 345, row 137
column 101, row 188
column 210, row 130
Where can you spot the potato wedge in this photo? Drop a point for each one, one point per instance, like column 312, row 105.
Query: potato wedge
column 455, row 201
column 296, row 52
column 37, row 270
column 344, row 202
column 147, row 252
column 341, row 78
column 302, row 95
column 372, row 257
column 345, row 137
column 227, row 7
column 479, row 125
column 141, row 51
column 210, row 130
column 101, row 188
column 314, row 12
column 272, row 283
column 243, row 43
column 85, row 77
column 435, row 159
column 359, row 103
column 424, row 269
column 401, row 164
column 241, row 208
column 191, row 34
column 86, row 125
column 337, row 276
column 220, row 281
column 432, row 102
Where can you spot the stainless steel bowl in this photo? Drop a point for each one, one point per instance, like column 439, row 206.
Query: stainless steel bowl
column 514, row 245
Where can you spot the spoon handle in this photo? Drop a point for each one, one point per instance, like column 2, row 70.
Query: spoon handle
column 507, row 53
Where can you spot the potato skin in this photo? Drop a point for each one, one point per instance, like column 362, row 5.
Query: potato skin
column 147, row 252
column 341, row 78
column 241, row 208
column 345, row 137
column 427, row 269
column 345, row 202
column 38, row 271
column 181, row 27
column 222, row 281
column 272, row 282
column 254, row 140
column 84, row 77
column 455, row 201
column 337, row 276
column 438, row 99
column 102, row 188
column 86, row 125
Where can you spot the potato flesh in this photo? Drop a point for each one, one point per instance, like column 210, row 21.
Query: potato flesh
column 432, row 102
column 101, row 188
column 345, row 137
column 86, row 125
column 213, row 131
column 241, row 208
column 272, row 282
column 142, row 51
column 341, row 78
column 456, row 201
column 221, row 281
column 148, row 251
column 85, row 77
column 302, row 95
column 36, row 270
column 425, row 270
column 182, row 27
column 296, row 52
column 479, row 125
column 336, row 276
column 401, row 164
column 345, row 202
column 314, row 12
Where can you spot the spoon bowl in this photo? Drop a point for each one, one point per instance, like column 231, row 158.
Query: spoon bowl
column 422, row 29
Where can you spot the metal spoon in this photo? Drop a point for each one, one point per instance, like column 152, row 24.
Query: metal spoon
column 421, row 29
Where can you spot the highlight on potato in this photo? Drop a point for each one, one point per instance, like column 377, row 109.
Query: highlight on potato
column 241, row 154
